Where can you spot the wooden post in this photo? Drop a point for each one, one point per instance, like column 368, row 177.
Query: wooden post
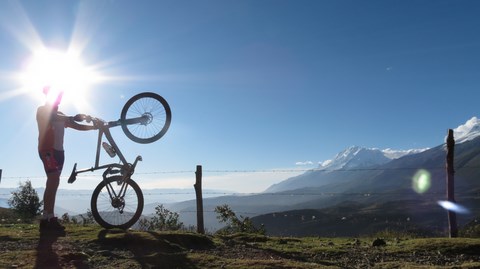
column 198, row 192
column 0, row 175
column 452, row 216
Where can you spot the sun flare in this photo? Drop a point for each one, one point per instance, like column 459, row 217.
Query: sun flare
column 63, row 71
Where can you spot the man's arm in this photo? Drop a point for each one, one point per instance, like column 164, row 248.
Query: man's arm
column 81, row 127
column 72, row 123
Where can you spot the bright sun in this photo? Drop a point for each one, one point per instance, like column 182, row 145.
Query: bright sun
column 61, row 71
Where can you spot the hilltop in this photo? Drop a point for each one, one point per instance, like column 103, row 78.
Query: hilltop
column 92, row 247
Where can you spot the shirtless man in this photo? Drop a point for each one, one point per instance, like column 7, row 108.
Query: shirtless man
column 51, row 129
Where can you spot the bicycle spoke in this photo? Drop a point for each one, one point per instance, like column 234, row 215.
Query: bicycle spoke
column 149, row 105
column 159, row 119
column 117, row 210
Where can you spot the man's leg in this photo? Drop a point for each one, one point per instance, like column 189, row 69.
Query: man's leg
column 49, row 221
column 53, row 180
column 53, row 163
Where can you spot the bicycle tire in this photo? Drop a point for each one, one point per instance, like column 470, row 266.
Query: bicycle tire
column 109, row 216
column 155, row 108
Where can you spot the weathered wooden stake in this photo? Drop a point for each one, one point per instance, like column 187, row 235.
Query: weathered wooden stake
column 0, row 175
column 198, row 192
column 452, row 216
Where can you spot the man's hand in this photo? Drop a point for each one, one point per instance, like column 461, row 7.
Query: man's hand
column 78, row 126
column 79, row 117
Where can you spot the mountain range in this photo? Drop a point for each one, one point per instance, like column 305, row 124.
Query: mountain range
column 364, row 178
column 352, row 158
column 367, row 187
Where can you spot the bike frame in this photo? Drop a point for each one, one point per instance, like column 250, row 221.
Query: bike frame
column 125, row 169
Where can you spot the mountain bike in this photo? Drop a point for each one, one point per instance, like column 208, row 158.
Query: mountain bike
column 117, row 201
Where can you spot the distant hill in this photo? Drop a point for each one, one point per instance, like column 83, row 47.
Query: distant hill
column 348, row 219
column 386, row 183
column 388, row 188
column 348, row 161
column 420, row 217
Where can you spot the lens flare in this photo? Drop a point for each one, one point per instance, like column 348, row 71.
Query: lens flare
column 59, row 69
column 450, row 206
column 53, row 95
column 421, row 181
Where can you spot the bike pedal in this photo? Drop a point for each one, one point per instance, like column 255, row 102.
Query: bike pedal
column 73, row 175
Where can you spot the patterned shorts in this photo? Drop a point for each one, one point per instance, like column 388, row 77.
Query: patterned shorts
column 52, row 160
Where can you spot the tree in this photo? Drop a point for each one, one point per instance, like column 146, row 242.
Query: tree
column 88, row 219
column 25, row 201
column 65, row 218
column 164, row 220
column 235, row 224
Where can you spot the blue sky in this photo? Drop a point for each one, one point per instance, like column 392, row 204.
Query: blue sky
column 253, row 85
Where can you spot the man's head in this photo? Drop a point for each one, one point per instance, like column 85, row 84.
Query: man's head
column 53, row 96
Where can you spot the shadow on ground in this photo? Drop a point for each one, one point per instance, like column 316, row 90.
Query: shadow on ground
column 46, row 255
column 152, row 249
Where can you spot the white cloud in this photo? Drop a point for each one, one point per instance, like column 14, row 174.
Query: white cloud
column 325, row 163
column 304, row 163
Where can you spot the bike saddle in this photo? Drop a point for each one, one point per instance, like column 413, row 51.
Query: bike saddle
column 73, row 175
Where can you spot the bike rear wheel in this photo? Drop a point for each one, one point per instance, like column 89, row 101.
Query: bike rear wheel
column 151, row 106
column 110, row 210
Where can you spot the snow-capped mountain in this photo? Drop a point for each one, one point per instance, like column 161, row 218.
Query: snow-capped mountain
column 395, row 154
column 359, row 157
column 354, row 158
column 467, row 131
column 347, row 160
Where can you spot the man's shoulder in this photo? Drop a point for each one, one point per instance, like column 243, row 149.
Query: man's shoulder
column 44, row 108
column 48, row 109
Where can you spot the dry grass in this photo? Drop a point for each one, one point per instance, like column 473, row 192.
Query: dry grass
column 21, row 246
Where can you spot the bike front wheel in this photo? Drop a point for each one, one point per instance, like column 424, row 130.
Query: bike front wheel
column 114, row 207
column 154, row 109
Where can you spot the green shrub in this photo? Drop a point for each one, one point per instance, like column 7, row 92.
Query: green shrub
column 163, row 220
column 235, row 224
column 472, row 230
column 25, row 202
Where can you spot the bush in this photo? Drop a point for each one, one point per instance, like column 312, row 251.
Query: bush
column 7, row 216
column 164, row 220
column 235, row 224
column 471, row 229
column 65, row 218
column 25, row 201
column 87, row 218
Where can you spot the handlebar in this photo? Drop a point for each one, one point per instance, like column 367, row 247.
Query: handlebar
column 97, row 122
